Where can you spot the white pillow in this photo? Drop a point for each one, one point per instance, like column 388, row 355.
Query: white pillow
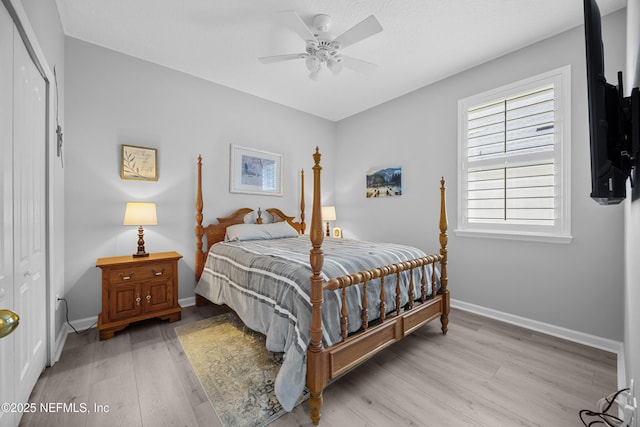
column 276, row 230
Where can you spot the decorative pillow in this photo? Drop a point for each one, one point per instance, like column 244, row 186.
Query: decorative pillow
column 275, row 230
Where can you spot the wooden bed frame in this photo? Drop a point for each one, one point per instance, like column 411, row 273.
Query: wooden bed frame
column 326, row 364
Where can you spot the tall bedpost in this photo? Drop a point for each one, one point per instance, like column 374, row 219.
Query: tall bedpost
column 444, row 239
column 303, row 226
column 315, row 366
column 199, row 228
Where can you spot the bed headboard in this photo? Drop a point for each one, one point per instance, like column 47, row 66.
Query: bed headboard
column 215, row 232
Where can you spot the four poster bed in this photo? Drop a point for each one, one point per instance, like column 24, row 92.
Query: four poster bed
column 328, row 308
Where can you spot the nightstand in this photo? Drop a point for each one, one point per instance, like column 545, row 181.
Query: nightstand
column 135, row 289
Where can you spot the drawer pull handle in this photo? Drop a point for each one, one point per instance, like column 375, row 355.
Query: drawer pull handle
column 157, row 273
column 123, row 277
column 138, row 299
column 148, row 299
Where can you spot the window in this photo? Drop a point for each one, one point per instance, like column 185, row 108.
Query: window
column 513, row 149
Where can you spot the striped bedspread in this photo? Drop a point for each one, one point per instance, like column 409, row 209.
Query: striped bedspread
column 267, row 283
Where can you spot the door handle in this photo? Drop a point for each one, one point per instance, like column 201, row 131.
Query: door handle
column 8, row 322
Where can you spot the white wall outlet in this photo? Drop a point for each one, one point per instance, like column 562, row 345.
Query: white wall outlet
column 628, row 407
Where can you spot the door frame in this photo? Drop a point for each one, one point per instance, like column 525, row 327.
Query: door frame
column 28, row 35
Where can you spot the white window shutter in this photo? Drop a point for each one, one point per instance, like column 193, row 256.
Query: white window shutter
column 512, row 151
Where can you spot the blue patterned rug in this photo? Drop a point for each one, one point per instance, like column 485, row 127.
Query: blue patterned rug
column 235, row 369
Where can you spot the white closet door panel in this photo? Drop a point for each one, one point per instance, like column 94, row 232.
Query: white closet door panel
column 7, row 344
column 29, row 131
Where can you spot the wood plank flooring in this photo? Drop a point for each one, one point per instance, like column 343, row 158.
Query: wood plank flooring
column 482, row 373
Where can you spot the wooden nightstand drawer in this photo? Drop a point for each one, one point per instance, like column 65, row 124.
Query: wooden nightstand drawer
column 129, row 274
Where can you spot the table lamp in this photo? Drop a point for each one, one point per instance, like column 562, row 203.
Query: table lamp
column 328, row 214
column 140, row 213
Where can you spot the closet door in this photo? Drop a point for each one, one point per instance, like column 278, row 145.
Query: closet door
column 7, row 344
column 29, row 243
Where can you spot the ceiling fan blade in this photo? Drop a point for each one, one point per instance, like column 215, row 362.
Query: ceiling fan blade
column 359, row 65
column 279, row 58
column 364, row 29
column 297, row 25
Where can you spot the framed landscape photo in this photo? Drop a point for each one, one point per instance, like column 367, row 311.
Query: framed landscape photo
column 385, row 182
column 255, row 172
column 139, row 163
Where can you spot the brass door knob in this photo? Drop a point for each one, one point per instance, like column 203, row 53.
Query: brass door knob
column 8, row 322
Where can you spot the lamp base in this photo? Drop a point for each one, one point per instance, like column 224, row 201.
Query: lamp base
column 141, row 252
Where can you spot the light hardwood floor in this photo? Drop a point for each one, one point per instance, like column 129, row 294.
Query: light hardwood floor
column 482, row 373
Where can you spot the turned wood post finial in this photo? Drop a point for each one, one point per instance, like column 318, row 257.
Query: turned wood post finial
column 443, row 219
column 444, row 239
column 315, row 363
column 199, row 228
column 303, row 226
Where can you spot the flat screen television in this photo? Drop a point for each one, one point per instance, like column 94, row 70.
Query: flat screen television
column 614, row 121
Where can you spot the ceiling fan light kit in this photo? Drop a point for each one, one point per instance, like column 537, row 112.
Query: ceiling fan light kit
column 323, row 51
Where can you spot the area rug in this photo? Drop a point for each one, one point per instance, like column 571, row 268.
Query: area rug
column 235, row 369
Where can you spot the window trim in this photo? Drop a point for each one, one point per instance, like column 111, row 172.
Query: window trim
column 561, row 232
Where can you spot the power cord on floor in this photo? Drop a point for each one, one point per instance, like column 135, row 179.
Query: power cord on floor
column 603, row 417
column 66, row 315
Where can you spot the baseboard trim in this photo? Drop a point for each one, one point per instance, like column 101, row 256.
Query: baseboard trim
column 82, row 324
column 61, row 339
column 187, row 302
column 88, row 322
column 612, row 346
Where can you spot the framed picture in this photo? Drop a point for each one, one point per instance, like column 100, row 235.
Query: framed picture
column 139, row 163
column 337, row 232
column 385, row 182
column 255, row 172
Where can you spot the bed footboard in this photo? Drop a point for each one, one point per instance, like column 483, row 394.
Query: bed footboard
column 327, row 364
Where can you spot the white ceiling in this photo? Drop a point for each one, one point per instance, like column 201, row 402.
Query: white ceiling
column 220, row 40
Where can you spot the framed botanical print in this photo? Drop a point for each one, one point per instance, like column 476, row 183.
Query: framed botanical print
column 139, row 163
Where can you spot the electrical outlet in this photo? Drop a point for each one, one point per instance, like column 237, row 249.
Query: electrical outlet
column 632, row 405
column 629, row 411
column 58, row 301
column 628, row 406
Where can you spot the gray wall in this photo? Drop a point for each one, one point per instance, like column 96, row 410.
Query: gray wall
column 577, row 286
column 114, row 99
column 632, row 217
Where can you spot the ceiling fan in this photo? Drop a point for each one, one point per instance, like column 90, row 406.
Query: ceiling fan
column 323, row 50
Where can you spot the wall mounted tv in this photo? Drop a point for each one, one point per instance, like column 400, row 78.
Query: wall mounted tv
column 614, row 121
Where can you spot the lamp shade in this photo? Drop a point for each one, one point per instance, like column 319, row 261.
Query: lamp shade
column 328, row 213
column 140, row 213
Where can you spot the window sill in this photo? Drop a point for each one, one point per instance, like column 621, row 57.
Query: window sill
column 507, row 235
